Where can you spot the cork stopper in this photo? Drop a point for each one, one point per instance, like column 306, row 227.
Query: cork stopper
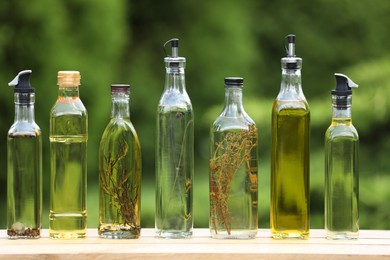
column 68, row 78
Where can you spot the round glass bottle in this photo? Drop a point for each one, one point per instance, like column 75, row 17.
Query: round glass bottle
column 119, row 171
column 233, row 169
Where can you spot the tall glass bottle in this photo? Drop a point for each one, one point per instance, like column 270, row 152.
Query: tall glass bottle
column 290, row 153
column 68, row 160
column 174, row 153
column 233, row 168
column 341, row 166
column 24, row 180
column 119, row 171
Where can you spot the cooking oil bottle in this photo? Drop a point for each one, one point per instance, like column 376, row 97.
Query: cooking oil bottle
column 233, row 168
column 24, row 176
column 289, row 211
column 68, row 160
column 174, row 152
column 119, row 171
column 341, row 166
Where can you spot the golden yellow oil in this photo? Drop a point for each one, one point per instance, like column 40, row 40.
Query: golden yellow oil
column 290, row 170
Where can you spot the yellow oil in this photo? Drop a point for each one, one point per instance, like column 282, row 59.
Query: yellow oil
column 290, row 170
column 68, row 215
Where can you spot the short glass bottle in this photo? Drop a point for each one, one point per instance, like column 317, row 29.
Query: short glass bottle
column 233, row 169
column 174, row 153
column 68, row 160
column 24, row 178
column 341, row 168
column 119, row 171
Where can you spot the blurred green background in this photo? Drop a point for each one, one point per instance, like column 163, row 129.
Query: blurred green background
column 120, row 41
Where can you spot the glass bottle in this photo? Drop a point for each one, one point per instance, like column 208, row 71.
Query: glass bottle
column 341, row 166
column 174, row 153
column 24, row 180
column 289, row 210
column 68, row 160
column 233, row 168
column 119, row 171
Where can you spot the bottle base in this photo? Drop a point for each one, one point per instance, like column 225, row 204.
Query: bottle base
column 66, row 234
column 234, row 234
column 28, row 233
column 331, row 235
column 290, row 235
column 23, row 237
column 67, row 225
column 172, row 234
column 117, row 234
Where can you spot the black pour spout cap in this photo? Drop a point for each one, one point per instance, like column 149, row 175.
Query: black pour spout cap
column 290, row 48
column 173, row 60
column 175, row 47
column 22, row 86
column 291, row 61
column 343, row 85
column 22, row 82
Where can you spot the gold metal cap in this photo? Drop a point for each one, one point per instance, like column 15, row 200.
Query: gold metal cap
column 68, row 78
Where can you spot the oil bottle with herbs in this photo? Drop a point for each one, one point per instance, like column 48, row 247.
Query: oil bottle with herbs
column 119, row 171
column 174, row 152
column 233, row 169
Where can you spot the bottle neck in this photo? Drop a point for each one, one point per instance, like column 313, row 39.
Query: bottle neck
column 291, row 83
column 233, row 102
column 120, row 105
column 341, row 108
column 24, row 107
column 175, row 77
column 65, row 92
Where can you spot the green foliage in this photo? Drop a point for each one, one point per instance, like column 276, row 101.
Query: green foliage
column 121, row 42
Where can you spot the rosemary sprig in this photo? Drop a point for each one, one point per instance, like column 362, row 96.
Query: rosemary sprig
column 123, row 194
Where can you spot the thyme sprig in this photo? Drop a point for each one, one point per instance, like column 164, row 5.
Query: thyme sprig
column 229, row 156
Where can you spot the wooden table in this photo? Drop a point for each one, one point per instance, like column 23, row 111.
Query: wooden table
column 372, row 244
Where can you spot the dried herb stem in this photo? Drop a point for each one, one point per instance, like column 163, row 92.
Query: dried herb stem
column 121, row 189
column 228, row 157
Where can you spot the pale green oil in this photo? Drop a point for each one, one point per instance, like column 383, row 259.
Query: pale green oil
column 341, row 180
column 119, row 181
column 290, row 170
column 24, row 200
column 174, row 176
column 233, row 190
column 68, row 161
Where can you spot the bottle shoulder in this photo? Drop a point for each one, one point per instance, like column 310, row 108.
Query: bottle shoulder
column 298, row 104
column 175, row 98
column 68, row 106
column 291, row 95
column 120, row 130
column 118, row 126
column 223, row 123
column 341, row 131
column 24, row 128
